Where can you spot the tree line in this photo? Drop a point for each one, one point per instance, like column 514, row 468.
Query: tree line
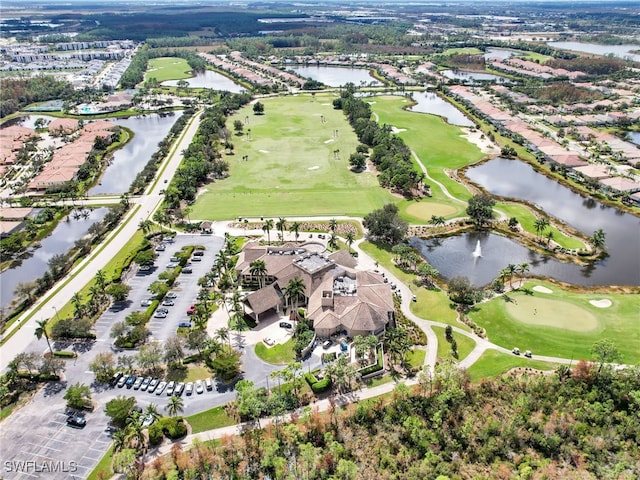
column 16, row 93
column 390, row 154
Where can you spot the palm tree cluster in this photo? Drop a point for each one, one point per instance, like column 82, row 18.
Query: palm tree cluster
column 512, row 270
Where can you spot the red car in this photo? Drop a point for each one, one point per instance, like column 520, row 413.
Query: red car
column 191, row 310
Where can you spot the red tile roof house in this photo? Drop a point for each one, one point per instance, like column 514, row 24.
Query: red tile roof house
column 338, row 297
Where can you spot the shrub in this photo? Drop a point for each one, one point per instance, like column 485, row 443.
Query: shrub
column 173, row 427
column 310, row 378
column 321, row 385
column 155, row 434
column 64, row 354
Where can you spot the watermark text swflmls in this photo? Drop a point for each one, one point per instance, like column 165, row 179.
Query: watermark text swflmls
column 45, row 466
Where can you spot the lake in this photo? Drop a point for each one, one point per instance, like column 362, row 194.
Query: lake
column 473, row 77
column 517, row 179
column 336, row 76
column 60, row 241
column 209, row 79
column 429, row 102
column 131, row 159
column 621, row 51
column 498, row 53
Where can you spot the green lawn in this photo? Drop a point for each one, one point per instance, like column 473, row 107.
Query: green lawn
column 103, row 468
column 168, row 68
column 465, row 345
column 493, row 363
column 527, row 220
column 279, row 354
column 439, row 146
column 415, row 357
column 197, row 372
column 619, row 323
column 209, row 420
column 295, row 165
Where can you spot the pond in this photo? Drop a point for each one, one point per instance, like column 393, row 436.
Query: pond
column 428, row 102
column 517, row 179
column 129, row 160
column 209, row 79
column 473, row 77
column 498, row 53
column 60, row 241
column 621, row 51
column 336, row 76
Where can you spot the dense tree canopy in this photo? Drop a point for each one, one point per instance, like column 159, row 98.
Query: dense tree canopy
column 385, row 225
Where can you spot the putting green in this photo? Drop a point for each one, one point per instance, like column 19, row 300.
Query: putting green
column 551, row 313
column 424, row 210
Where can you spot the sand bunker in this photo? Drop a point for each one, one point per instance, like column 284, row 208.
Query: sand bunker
column 398, row 130
column 329, row 141
column 315, row 167
column 604, row 303
column 325, row 104
column 541, row 289
column 263, row 151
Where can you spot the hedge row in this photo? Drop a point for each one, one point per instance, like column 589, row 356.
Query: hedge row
column 318, row 386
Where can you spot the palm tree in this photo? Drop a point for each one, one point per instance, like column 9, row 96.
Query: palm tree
column 268, row 225
column 295, row 228
column 119, row 440
column 294, row 291
column 281, row 224
column 549, row 237
column 512, row 268
column 101, row 279
column 333, row 224
column 523, row 268
column 598, row 238
column 78, row 308
column 41, row 331
column 258, row 268
column 222, row 334
column 135, row 436
column 175, row 406
column 333, row 241
column 145, row 226
column 152, row 411
column 540, row 225
column 350, row 238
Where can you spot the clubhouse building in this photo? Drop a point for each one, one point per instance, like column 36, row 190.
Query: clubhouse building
column 338, row 297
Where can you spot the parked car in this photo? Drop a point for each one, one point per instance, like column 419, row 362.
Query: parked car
column 171, row 295
column 184, row 324
column 189, row 388
column 152, row 385
column 187, row 270
column 162, row 309
column 145, row 303
column 145, row 383
column 148, row 420
column 179, row 389
column 326, row 344
column 167, row 302
column 160, row 388
column 168, row 240
column 208, row 384
column 269, row 341
column 196, row 259
column 138, row 383
column 76, row 420
column 159, row 314
column 172, row 265
column 171, row 386
column 198, row 253
column 161, row 248
column 414, row 298
column 131, row 379
column 122, row 381
column 115, row 379
column 285, row 325
column 174, row 259
column 191, row 310
column 528, row 354
column 145, row 268
column 199, row 387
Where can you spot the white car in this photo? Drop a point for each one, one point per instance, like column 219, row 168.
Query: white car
column 269, row 341
column 160, row 315
column 199, row 387
column 160, row 388
column 189, row 388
